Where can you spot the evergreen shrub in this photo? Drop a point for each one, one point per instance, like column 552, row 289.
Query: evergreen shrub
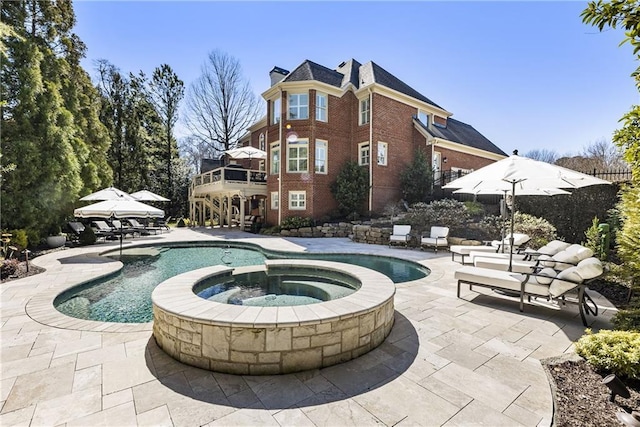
column 294, row 222
column 617, row 352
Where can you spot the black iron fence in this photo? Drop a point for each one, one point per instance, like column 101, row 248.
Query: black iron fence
column 614, row 175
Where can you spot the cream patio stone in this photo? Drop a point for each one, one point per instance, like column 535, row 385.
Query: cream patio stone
column 441, row 364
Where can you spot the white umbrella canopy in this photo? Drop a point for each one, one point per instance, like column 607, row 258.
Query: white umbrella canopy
column 522, row 192
column 246, row 153
column 109, row 193
column 517, row 176
column 148, row 196
column 118, row 209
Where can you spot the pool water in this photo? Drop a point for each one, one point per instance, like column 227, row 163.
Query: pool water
column 125, row 297
column 266, row 289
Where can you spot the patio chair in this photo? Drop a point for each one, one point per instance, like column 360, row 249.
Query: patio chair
column 568, row 285
column 400, row 234
column 550, row 249
column 437, row 238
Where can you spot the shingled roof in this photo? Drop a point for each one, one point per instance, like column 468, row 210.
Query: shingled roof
column 463, row 134
column 309, row 70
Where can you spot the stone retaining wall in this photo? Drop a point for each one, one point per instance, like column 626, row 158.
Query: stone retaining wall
column 271, row 340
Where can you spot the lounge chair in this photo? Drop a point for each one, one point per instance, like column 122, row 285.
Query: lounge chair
column 163, row 223
column 120, row 228
column 495, row 246
column 562, row 260
column 102, row 230
column 547, row 283
column 75, row 228
column 528, row 254
column 400, row 234
column 144, row 229
column 437, row 238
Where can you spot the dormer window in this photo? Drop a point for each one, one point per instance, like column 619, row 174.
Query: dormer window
column 423, row 117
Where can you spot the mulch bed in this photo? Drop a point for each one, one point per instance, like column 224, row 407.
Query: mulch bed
column 581, row 397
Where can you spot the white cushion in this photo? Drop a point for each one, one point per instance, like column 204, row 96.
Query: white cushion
column 546, row 261
column 589, row 268
column 559, row 287
column 565, row 260
column 439, row 232
column 553, row 247
column 546, row 276
column 571, row 274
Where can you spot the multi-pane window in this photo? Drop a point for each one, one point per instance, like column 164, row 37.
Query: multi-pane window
column 321, row 156
column 275, row 158
column 275, row 197
column 297, row 155
column 365, row 111
column 383, row 149
column 297, row 200
column 298, row 106
column 275, row 111
column 363, row 154
column 321, row 107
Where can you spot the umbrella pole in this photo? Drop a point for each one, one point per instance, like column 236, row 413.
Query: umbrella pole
column 513, row 212
column 120, row 239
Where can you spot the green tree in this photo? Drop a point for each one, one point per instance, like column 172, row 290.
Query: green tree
column 625, row 14
column 351, row 188
column 166, row 92
column 45, row 116
column 417, row 179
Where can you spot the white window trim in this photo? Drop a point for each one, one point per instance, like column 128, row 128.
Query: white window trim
column 298, row 200
column 298, row 143
column 360, row 148
column 274, row 200
column 276, row 119
column 385, row 159
column 325, row 109
column 261, row 142
column 297, row 106
column 361, row 111
column 326, row 156
column 275, row 146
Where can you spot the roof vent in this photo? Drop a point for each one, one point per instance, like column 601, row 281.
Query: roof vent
column 277, row 75
column 342, row 64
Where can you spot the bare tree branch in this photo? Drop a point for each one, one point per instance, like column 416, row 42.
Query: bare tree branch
column 220, row 104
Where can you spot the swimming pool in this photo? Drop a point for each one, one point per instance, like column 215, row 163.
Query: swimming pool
column 125, row 297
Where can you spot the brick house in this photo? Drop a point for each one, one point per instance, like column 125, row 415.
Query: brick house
column 319, row 118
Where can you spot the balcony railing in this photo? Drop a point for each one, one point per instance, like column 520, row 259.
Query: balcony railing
column 228, row 179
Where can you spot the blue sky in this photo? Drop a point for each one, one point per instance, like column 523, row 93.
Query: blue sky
column 527, row 75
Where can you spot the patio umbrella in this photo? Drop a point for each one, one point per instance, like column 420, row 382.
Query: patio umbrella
column 247, row 152
column 148, row 196
column 119, row 209
column 518, row 175
column 109, row 193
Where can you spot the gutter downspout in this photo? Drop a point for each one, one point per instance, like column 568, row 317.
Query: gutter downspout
column 281, row 152
column 371, row 151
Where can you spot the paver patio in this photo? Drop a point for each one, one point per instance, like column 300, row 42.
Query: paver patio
column 447, row 361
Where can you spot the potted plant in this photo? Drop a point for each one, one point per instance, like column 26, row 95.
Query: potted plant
column 56, row 239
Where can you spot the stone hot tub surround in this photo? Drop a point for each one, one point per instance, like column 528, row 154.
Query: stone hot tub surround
column 250, row 340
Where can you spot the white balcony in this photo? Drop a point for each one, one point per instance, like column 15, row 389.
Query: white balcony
column 229, row 180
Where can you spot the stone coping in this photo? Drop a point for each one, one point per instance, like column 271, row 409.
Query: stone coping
column 176, row 296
